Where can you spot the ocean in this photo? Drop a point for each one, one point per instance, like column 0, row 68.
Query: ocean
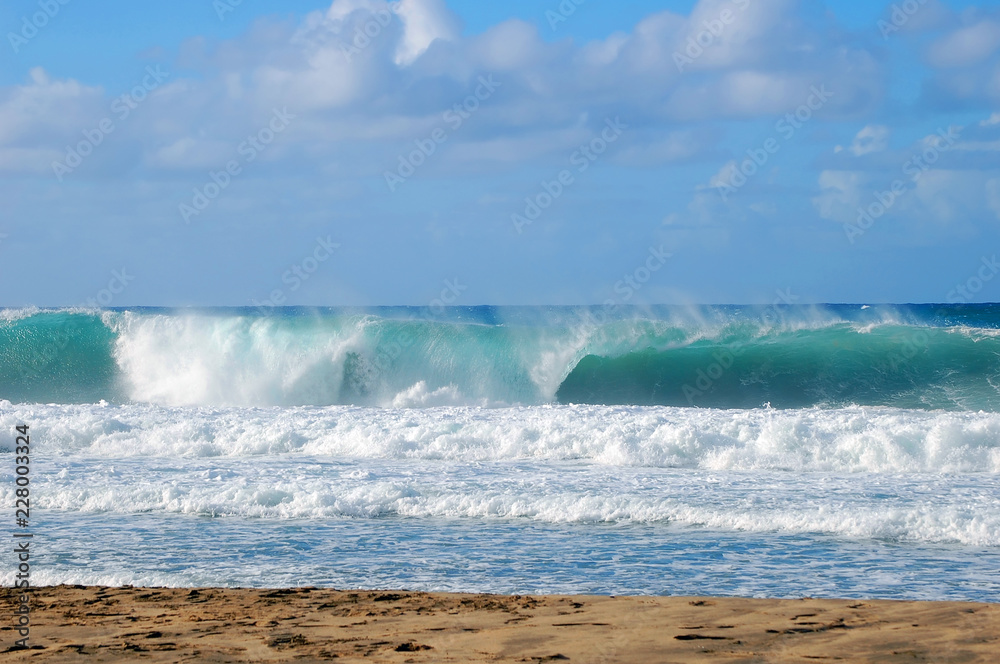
column 783, row 451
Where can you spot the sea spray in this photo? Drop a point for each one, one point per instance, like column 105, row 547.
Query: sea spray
column 930, row 358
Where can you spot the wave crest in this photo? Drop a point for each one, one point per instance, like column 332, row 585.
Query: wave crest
column 727, row 360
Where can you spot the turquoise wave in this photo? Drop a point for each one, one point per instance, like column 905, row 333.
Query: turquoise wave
column 894, row 365
column 927, row 357
column 58, row 357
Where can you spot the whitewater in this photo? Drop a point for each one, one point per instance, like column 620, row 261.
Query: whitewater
column 833, row 450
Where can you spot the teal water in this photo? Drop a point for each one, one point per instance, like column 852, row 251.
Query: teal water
column 916, row 356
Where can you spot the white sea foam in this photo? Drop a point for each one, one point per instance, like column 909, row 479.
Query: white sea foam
column 197, row 359
column 880, row 440
column 922, row 508
column 12, row 315
column 795, row 471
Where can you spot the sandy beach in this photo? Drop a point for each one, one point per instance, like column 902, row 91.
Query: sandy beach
column 94, row 624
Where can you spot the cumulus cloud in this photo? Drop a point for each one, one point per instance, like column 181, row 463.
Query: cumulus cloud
column 655, row 150
column 933, row 188
column 873, row 138
column 369, row 71
column 966, row 57
column 424, row 21
column 38, row 118
column 724, row 175
column 967, row 45
column 840, row 194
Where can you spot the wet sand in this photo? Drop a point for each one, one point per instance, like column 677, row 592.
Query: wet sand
column 91, row 624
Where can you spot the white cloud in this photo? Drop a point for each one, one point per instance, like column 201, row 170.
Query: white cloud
column 840, row 195
column 947, row 200
column 873, row 138
column 740, row 34
column 42, row 107
column 341, row 9
column 764, row 208
column 967, row 45
column 367, row 72
column 38, row 120
column 940, row 204
column 978, row 146
column 676, row 146
column 188, row 152
column 424, row 21
column 966, row 56
column 724, row 175
column 510, row 46
column 990, row 121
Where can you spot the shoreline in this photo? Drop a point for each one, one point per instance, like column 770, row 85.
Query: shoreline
column 76, row 623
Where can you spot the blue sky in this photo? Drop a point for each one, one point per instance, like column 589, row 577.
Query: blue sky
column 839, row 152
